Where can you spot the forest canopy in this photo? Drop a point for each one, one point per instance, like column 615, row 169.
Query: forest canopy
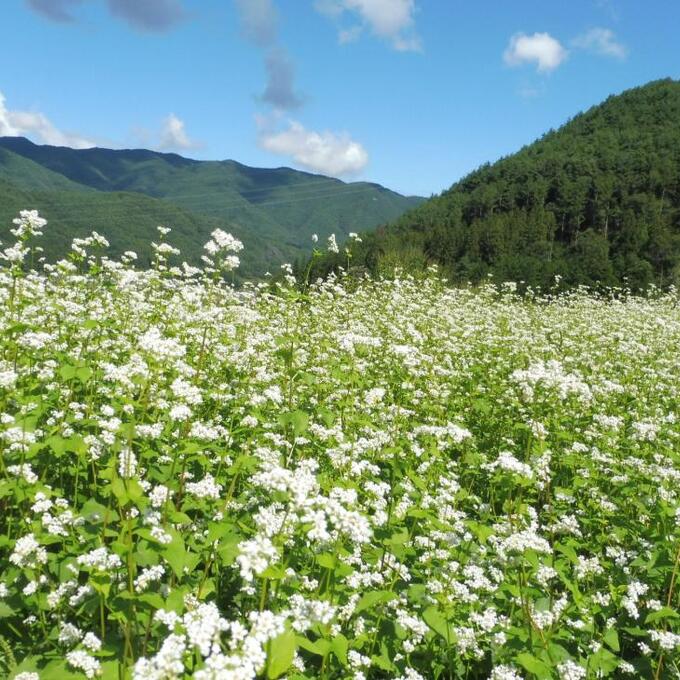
column 596, row 201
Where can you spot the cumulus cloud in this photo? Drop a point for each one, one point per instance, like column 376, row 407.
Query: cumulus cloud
column 174, row 136
column 56, row 10
column 540, row 48
column 391, row 20
column 259, row 21
column 280, row 90
column 147, row 15
column 326, row 152
column 37, row 127
column 601, row 41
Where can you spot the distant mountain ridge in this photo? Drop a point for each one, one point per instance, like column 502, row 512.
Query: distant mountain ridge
column 125, row 194
column 596, row 201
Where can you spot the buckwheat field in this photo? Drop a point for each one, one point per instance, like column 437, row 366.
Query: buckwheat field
column 348, row 479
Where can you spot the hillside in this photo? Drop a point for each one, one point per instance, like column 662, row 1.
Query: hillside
column 125, row 194
column 596, row 201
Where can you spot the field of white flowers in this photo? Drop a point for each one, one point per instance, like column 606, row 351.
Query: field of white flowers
column 384, row 479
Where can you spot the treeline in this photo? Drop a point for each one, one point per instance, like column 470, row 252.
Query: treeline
column 597, row 201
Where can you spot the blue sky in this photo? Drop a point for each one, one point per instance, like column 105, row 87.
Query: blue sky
column 409, row 93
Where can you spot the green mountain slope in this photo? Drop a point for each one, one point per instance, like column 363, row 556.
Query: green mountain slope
column 74, row 213
column 27, row 174
column 274, row 211
column 596, row 201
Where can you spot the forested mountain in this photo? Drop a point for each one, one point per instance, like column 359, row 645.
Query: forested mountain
column 597, row 200
column 126, row 194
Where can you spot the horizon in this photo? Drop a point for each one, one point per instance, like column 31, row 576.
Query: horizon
column 202, row 160
column 402, row 94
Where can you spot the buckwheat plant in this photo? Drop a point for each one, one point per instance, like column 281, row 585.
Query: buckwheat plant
column 331, row 479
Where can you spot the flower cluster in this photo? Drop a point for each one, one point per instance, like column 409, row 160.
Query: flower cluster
column 347, row 479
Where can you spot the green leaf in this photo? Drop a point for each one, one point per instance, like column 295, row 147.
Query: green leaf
column 59, row 670
column 84, row 373
column 58, row 445
column 175, row 554
column 220, row 530
column 339, row 647
column 228, row 549
column 119, row 490
column 28, row 665
column 298, row 420
column 603, row 662
column 383, row 662
column 274, row 572
column 5, row 610
column 319, row 647
column 373, row 598
column 134, row 490
column 101, row 583
column 281, row 653
column 437, row 621
column 568, row 551
column 611, row 638
column 663, row 613
column 327, row 560
column 534, row 665
column 154, row 600
column 557, row 653
column 398, row 538
column 68, row 372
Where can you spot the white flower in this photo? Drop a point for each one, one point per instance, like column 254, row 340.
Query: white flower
column 206, row 488
column 147, row 576
column 100, row 559
column 504, row 672
column 29, row 223
column 255, row 556
column 127, row 464
column 83, row 661
column 28, row 552
column 167, row 663
column 92, row 642
column 568, row 670
column 333, row 244
column 8, row 376
column 24, row 471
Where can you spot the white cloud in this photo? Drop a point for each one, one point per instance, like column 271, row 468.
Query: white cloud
column 174, row 136
column 601, row 41
column 38, row 127
column 391, row 20
column 541, row 48
column 326, row 152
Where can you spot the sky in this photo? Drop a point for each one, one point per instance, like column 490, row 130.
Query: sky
column 413, row 94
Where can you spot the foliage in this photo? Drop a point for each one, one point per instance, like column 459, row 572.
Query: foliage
column 353, row 479
column 596, row 201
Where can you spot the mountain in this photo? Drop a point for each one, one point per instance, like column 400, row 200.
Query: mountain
column 125, row 194
column 597, row 200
